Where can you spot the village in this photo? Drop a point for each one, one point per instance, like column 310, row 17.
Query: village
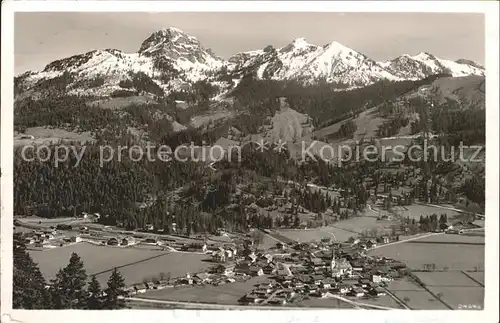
column 283, row 270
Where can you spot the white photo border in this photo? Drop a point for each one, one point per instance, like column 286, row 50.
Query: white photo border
column 490, row 312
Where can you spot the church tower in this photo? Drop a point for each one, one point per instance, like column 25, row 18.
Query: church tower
column 333, row 262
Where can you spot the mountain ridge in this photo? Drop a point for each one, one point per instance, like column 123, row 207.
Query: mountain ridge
column 174, row 60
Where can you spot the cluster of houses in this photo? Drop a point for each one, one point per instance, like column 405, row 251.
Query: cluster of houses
column 244, row 262
column 320, row 269
column 365, row 243
column 48, row 238
column 308, row 270
column 116, row 241
column 317, row 270
column 203, row 278
column 212, row 278
column 302, row 270
column 40, row 237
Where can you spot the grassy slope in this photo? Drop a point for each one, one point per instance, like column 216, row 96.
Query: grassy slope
column 468, row 90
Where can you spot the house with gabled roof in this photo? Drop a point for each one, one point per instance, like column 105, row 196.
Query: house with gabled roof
column 283, row 270
column 219, row 255
column 357, row 291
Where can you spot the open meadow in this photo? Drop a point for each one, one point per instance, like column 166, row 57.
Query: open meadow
column 456, row 284
column 455, row 288
column 404, row 284
column 176, row 264
column 268, row 242
column 364, row 223
column 316, row 234
column 46, row 135
column 446, row 279
column 461, row 298
column 420, row 300
column 414, row 211
column 96, row 259
column 304, row 235
column 476, row 275
column 472, row 238
column 340, row 230
column 135, row 264
column 451, row 255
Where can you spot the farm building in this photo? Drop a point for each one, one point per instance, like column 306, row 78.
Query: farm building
column 112, row 242
column 76, row 239
column 219, row 255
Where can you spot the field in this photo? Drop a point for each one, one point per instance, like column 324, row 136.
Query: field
column 404, row 285
column 469, row 89
column 96, row 259
column 414, row 211
column 476, row 275
column 363, row 223
column 466, row 238
column 367, row 124
column 452, row 255
column 420, row 300
column 456, row 289
column 49, row 135
column 225, row 294
column 340, row 231
column 118, row 103
column 316, row 234
column 337, row 233
column 268, row 242
column 461, row 297
column 199, row 121
column 304, row 235
column 446, row 279
column 177, row 264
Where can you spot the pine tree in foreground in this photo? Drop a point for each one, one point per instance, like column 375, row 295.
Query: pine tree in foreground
column 94, row 292
column 28, row 289
column 68, row 288
column 115, row 291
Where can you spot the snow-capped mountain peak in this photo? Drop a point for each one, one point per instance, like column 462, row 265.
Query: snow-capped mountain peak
column 176, row 45
column 335, row 46
column 423, row 55
column 301, row 43
column 425, row 64
column 174, row 59
column 165, row 38
column 332, row 62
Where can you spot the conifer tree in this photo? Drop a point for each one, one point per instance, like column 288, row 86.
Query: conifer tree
column 28, row 289
column 94, row 298
column 114, row 292
column 68, row 288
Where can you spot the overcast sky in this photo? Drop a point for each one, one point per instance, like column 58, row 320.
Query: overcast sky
column 43, row 37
